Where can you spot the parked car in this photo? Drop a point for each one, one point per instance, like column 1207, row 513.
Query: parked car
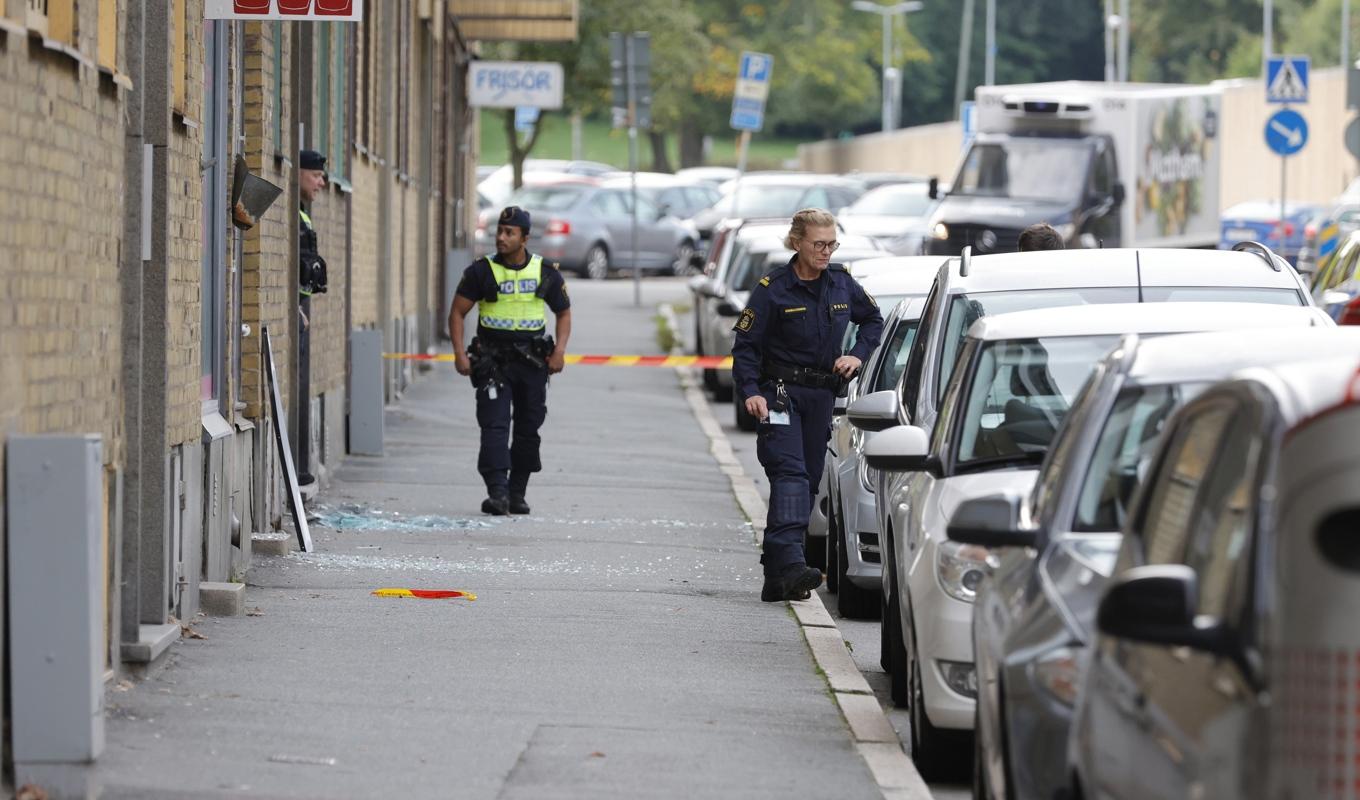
column 587, row 228
column 1224, row 659
column 1259, row 221
column 1035, row 611
column 499, row 184
column 1336, row 287
column 774, row 195
column 897, row 215
column 1015, row 378
column 674, row 197
column 713, row 176
column 843, row 533
column 969, row 288
column 751, row 250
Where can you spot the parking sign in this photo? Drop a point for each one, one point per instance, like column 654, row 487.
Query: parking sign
column 753, row 87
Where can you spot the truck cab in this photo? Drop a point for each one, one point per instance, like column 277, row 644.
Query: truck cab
column 1041, row 161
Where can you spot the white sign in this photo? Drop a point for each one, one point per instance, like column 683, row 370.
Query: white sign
column 510, row 84
column 294, row 10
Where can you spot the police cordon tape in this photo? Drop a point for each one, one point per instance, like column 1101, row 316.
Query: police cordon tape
column 707, row 362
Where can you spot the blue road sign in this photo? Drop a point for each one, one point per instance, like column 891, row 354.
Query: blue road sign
column 755, row 67
column 1286, row 132
column 747, row 114
column 1287, row 79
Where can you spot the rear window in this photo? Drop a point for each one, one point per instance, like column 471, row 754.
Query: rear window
column 965, row 309
column 1221, row 294
column 546, row 198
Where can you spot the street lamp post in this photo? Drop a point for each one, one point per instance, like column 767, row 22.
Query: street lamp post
column 887, row 13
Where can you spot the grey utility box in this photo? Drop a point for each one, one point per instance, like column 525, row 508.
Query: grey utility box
column 366, row 393
column 56, row 517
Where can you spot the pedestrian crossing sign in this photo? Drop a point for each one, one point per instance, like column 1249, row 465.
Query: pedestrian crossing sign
column 1287, row 79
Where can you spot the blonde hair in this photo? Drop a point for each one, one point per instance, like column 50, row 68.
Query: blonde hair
column 807, row 218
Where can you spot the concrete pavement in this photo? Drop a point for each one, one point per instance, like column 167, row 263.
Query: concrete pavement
column 617, row 647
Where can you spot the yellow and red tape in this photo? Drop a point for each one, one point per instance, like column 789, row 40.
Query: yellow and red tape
column 707, row 362
column 425, row 594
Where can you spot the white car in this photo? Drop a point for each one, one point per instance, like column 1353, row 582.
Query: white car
column 845, row 500
column 1015, row 378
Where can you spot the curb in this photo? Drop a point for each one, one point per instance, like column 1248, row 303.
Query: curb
column 870, row 729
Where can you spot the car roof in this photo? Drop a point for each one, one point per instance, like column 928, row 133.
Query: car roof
column 1124, row 318
column 892, row 276
column 654, row 179
column 1308, row 387
column 1052, row 269
column 1216, row 355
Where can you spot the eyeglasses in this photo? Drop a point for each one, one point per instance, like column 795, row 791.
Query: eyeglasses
column 825, row 247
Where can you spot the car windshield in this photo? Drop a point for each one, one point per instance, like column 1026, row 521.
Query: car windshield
column 895, row 201
column 1221, row 294
column 895, row 352
column 852, row 330
column 1121, row 454
column 762, row 201
column 1020, row 392
column 965, row 309
column 546, row 198
column 1049, row 169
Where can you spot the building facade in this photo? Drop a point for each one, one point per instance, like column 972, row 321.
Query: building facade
column 132, row 308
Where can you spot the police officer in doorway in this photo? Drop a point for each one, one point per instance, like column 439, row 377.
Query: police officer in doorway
column 788, row 366
column 510, row 358
column 311, row 281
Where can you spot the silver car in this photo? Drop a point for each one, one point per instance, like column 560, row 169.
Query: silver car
column 897, row 215
column 1035, row 612
column 587, row 228
column 1225, row 658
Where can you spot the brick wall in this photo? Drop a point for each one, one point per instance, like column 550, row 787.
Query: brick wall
column 364, row 292
column 61, row 188
column 265, row 248
column 184, row 316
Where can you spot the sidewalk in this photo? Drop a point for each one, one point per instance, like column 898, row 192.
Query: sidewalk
column 617, row 647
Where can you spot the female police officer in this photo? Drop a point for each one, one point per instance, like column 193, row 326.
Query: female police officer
column 788, row 366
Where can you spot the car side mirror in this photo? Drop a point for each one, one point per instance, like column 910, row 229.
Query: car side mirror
column 1156, row 605
column 1118, row 194
column 726, row 308
column 991, row 521
column 663, row 211
column 903, row 448
column 933, row 189
column 875, row 412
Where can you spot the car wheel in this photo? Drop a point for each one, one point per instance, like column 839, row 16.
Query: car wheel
column 979, row 777
column 898, row 682
column 935, row 752
column 833, row 547
column 745, row 422
column 853, row 602
column 683, row 254
column 597, row 262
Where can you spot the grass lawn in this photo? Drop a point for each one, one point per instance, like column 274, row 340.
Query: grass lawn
column 600, row 142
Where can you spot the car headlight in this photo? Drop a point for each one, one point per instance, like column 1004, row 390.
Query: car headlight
column 868, row 476
column 939, row 230
column 961, row 568
column 1058, row 674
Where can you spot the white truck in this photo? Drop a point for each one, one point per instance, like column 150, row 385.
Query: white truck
column 1106, row 164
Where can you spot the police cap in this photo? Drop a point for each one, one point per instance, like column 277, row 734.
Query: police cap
column 516, row 216
column 310, row 159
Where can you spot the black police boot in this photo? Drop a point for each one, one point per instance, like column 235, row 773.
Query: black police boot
column 794, row 583
column 517, row 504
column 519, row 482
column 497, row 505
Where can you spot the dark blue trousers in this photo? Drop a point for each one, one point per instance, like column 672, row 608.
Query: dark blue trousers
column 510, row 423
column 793, row 456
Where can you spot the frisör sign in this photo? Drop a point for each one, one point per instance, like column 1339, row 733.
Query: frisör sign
column 510, row 84
column 296, row 10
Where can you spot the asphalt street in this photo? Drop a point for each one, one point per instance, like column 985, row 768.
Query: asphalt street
column 617, row 646
column 861, row 635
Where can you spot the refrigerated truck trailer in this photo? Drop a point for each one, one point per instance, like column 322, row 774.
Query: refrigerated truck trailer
column 1106, row 164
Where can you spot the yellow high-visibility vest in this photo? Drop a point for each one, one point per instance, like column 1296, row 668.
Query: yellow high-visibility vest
column 517, row 306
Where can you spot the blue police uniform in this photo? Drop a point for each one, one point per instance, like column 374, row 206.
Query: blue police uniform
column 787, row 340
column 519, row 392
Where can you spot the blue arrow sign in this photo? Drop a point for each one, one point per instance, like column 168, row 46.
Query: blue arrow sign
column 1286, row 132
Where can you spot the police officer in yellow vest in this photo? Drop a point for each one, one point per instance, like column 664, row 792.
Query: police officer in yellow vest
column 510, row 358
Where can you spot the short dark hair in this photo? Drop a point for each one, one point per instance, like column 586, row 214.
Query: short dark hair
column 1040, row 236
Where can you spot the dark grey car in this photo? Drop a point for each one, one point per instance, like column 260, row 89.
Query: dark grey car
column 1035, row 614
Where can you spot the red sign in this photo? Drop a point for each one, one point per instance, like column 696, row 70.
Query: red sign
column 295, row 10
